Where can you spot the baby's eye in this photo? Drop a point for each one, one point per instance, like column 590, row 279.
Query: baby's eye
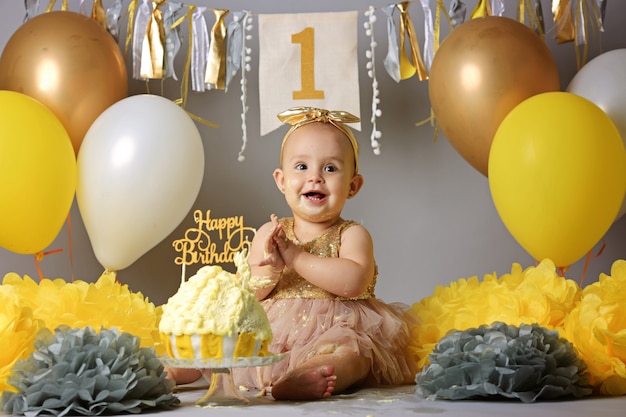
column 300, row 167
column 330, row 168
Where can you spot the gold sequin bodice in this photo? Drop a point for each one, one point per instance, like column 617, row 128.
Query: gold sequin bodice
column 292, row 285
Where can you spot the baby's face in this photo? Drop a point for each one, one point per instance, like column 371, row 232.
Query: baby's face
column 317, row 172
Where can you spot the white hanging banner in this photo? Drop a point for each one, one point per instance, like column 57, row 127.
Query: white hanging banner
column 307, row 59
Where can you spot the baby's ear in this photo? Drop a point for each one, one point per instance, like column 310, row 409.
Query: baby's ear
column 279, row 178
column 355, row 185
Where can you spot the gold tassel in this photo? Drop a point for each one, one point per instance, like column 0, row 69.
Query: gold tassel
column 581, row 20
column 437, row 29
column 406, row 25
column 563, row 21
column 535, row 15
column 407, row 70
column 216, row 61
column 184, row 84
column 98, row 14
column 483, row 9
column 52, row 3
column 130, row 26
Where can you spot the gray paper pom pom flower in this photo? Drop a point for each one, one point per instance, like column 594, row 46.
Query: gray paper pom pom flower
column 79, row 371
column 528, row 362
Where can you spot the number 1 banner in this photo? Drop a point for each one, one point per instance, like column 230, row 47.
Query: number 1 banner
column 307, row 59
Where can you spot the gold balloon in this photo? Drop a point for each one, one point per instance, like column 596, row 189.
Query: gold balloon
column 482, row 70
column 70, row 64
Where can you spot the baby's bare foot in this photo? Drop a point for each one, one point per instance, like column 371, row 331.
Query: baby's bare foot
column 306, row 384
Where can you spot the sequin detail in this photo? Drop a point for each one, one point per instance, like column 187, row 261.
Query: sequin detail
column 292, row 285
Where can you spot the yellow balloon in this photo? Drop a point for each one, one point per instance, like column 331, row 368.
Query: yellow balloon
column 557, row 174
column 37, row 174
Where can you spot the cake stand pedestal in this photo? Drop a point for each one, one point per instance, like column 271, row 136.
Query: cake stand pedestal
column 222, row 391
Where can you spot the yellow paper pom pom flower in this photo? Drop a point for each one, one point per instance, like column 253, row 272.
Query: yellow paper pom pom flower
column 17, row 333
column 597, row 328
column 534, row 295
column 51, row 303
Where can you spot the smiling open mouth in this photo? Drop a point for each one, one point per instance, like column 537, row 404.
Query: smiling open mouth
column 314, row 196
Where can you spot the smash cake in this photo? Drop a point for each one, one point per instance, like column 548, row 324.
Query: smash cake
column 215, row 314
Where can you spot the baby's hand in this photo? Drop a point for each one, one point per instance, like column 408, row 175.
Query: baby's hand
column 285, row 248
column 271, row 253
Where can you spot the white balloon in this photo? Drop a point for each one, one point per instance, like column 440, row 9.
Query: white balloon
column 140, row 168
column 603, row 81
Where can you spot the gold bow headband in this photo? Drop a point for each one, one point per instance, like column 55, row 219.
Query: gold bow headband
column 300, row 116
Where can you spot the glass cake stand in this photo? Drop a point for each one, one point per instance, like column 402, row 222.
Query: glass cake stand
column 222, row 391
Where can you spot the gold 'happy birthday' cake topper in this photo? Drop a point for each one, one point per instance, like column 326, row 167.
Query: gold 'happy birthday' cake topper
column 200, row 243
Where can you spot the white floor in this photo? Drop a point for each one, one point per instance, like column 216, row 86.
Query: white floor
column 399, row 401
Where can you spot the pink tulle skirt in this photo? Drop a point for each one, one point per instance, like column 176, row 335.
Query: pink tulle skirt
column 308, row 327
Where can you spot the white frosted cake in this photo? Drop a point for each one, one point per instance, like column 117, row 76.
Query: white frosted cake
column 215, row 314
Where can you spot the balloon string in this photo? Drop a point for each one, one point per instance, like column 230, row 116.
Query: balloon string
column 113, row 274
column 39, row 257
column 440, row 7
column 561, row 270
column 69, row 245
column 589, row 256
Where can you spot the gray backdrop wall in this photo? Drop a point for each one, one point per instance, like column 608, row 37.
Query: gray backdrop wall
column 430, row 213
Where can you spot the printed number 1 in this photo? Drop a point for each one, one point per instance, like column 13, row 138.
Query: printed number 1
column 307, row 66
